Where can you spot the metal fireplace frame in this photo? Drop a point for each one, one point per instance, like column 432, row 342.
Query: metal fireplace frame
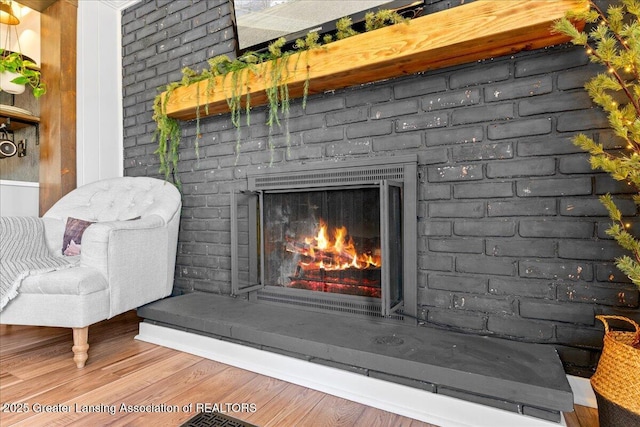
column 247, row 236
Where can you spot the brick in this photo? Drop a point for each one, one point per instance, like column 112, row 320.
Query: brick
column 470, row 172
column 472, row 246
column 480, row 75
column 343, row 148
column 322, row 105
column 604, row 184
column 487, row 304
column 519, row 128
column 456, row 209
column 456, row 319
column 575, row 356
column 576, row 78
column 614, row 294
column 484, row 227
column 556, row 228
column 632, row 225
column 521, row 208
column 609, row 140
column 369, row 129
column 577, row 163
column 433, row 156
column 553, row 187
column 521, row 168
column 394, row 109
column 568, row 313
column 435, row 228
column 551, row 61
column 456, row 135
column 532, row 411
column 554, row 103
column 452, row 99
column 483, row 190
column 420, row 85
column 608, row 272
column 600, row 250
column 323, row 135
column 542, row 248
column 512, row 326
column 421, row 121
column 458, row 283
column 470, row 152
column 373, row 96
column 579, row 121
column 351, row 115
column 567, row 270
column 518, row 88
column 400, row 142
column 435, row 262
column 579, row 335
column 434, row 298
column 435, row 192
column 485, row 265
column 593, row 207
column 546, row 146
column 522, row 287
column 304, row 153
column 482, row 114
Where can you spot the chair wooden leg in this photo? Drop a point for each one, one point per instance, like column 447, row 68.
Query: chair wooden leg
column 80, row 346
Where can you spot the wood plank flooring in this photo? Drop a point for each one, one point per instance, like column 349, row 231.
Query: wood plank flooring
column 37, row 374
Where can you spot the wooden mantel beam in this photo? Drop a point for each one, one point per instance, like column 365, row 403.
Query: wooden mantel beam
column 479, row 30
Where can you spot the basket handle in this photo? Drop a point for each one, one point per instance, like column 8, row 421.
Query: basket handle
column 603, row 319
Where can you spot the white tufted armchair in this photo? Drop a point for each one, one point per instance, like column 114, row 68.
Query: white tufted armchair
column 127, row 258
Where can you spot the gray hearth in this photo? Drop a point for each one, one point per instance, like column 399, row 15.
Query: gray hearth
column 519, row 377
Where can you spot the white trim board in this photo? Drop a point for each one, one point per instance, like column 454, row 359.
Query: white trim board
column 437, row 409
column 582, row 392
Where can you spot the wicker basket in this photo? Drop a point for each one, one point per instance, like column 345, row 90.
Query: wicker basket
column 617, row 378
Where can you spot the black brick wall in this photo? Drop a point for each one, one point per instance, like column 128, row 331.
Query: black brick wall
column 511, row 233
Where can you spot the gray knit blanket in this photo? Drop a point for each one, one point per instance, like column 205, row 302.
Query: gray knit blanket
column 23, row 252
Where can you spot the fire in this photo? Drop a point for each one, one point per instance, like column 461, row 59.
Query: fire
column 332, row 251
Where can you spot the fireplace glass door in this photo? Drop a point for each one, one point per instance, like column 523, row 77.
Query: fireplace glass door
column 339, row 241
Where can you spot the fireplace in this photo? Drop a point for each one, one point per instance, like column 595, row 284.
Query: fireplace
column 330, row 236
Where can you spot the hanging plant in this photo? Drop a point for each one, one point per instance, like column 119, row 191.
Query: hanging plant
column 20, row 70
column 235, row 81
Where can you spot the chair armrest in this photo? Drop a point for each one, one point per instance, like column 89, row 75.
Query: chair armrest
column 132, row 256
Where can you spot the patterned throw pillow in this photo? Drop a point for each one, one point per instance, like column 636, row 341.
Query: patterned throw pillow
column 73, row 231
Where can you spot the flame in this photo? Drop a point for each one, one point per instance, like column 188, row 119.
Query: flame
column 335, row 251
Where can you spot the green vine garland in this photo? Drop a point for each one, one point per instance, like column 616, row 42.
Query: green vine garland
column 239, row 70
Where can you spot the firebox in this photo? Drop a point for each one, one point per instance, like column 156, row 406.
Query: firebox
column 336, row 236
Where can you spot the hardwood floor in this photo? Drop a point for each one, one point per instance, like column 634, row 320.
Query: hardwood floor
column 159, row 386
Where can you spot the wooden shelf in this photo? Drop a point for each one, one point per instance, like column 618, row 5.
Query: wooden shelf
column 15, row 120
column 479, row 30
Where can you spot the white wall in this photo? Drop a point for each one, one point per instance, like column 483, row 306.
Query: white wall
column 19, row 198
column 99, row 92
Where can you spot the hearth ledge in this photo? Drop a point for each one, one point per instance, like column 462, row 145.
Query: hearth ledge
column 527, row 381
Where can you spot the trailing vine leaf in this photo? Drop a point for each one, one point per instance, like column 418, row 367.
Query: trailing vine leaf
column 275, row 72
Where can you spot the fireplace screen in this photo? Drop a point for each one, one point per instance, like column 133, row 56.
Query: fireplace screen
column 334, row 235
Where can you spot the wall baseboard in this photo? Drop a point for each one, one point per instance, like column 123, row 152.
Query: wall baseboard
column 437, row 409
column 582, row 392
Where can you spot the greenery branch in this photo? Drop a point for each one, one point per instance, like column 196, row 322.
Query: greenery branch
column 613, row 40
